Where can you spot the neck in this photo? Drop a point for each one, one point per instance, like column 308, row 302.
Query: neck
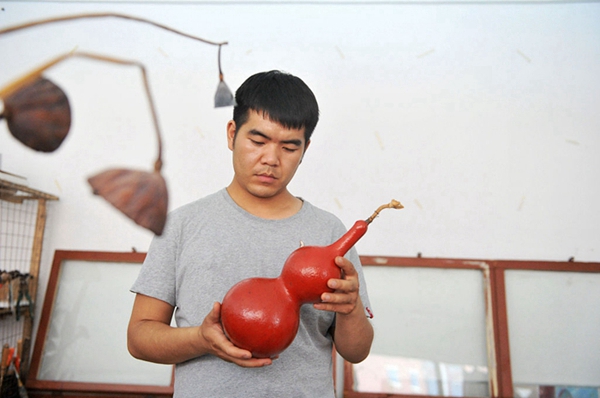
column 283, row 205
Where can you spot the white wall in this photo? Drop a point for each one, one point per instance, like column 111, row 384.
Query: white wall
column 482, row 119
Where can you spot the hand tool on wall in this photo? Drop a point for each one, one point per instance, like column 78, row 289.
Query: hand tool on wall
column 22, row 390
column 5, row 353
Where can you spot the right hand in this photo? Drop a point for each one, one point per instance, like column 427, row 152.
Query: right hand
column 216, row 343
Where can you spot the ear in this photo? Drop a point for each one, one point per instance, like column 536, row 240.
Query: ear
column 305, row 148
column 231, row 134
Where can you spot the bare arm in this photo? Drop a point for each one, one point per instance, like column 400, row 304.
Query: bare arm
column 151, row 338
column 353, row 333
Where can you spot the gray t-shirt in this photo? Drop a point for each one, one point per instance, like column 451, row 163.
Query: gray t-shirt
column 207, row 247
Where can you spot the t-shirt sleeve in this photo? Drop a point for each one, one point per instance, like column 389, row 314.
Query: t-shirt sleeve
column 352, row 255
column 157, row 278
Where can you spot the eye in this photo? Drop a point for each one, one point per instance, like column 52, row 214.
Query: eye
column 258, row 143
column 290, row 149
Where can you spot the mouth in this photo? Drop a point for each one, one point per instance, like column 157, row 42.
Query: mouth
column 266, row 177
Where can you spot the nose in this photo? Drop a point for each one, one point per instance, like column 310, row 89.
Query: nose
column 270, row 155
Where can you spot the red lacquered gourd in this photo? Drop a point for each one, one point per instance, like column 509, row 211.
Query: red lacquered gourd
column 261, row 315
column 307, row 270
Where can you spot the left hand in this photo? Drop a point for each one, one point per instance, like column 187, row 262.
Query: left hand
column 345, row 296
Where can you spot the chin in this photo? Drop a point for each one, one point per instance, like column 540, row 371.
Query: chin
column 264, row 193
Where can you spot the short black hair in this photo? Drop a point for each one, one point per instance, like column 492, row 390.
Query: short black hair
column 280, row 97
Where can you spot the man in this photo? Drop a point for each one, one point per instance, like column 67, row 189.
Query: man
column 247, row 230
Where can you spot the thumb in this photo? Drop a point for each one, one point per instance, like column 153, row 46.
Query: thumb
column 215, row 312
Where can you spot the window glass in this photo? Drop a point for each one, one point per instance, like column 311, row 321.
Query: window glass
column 554, row 324
column 430, row 334
column 87, row 334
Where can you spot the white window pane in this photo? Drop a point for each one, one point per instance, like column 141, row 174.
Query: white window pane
column 430, row 335
column 87, row 334
column 554, row 327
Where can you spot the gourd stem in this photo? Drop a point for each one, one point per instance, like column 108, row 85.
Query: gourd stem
column 394, row 204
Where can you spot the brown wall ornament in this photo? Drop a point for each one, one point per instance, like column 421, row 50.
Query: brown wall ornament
column 38, row 115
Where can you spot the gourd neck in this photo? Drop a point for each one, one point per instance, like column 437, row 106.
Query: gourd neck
column 349, row 239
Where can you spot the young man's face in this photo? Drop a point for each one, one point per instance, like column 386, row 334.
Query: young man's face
column 266, row 155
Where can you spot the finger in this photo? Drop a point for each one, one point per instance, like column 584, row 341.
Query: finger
column 346, row 266
column 234, row 352
column 220, row 341
column 338, row 298
column 225, row 349
column 333, row 307
column 254, row 362
column 347, row 284
column 343, row 303
column 215, row 313
column 231, row 355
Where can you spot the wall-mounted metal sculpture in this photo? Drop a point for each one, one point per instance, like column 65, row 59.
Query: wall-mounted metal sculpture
column 38, row 114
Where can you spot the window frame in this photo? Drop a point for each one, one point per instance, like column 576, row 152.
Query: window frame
column 501, row 384
column 89, row 389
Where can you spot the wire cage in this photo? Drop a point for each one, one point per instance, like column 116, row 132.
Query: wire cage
column 22, row 224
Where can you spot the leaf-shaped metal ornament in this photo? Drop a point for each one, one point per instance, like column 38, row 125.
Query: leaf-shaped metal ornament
column 223, row 96
column 142, row 196
column 38, row 114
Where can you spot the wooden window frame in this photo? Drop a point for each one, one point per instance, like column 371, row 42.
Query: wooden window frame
column 40, row 388
column 494, row 273
column 501, row 376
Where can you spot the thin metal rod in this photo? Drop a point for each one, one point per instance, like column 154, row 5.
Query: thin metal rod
column 219, row 62
column 105, row 15
column 12, row 87
column 31, row 76
column 158, row 163
column 36, row 73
